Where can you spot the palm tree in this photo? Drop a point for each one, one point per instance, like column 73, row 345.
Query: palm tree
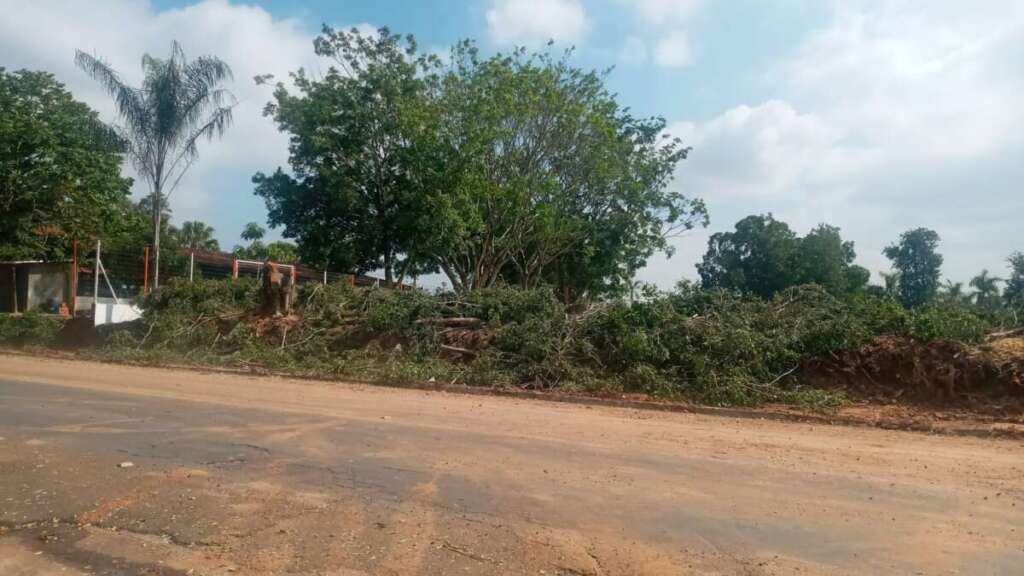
column 986, row 288
column 197, row 235
column 180, row 102
column 954, row 291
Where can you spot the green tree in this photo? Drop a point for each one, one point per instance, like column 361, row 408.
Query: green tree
column 986, row 290
column 196, row 235
column 918, row 263
column 180, row 102
column 954, row 292
column 277, row 251
column 350, row 151
column 253, row 231
column 542, row 177
column 60, row 175
column 1013, row 294
column 756, row 257
column 823, row 258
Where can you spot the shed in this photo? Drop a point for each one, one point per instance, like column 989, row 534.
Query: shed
column 34, row 285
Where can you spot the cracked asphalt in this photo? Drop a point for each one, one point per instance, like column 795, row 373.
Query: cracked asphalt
column 253, row 475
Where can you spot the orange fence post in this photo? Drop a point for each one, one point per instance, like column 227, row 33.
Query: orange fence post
column 145, row 269
column 234, row 268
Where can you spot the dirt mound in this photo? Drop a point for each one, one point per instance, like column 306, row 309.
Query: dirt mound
column 988, row 377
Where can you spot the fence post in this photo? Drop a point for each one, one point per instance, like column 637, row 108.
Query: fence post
column 191, row 265
column 96, row 282
column 145, row 270
column 325, row 277
column 74, row 276
column 234, row 268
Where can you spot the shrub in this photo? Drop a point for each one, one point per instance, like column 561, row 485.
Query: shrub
column 29, row 329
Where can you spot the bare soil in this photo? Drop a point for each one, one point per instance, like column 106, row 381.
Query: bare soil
column 244, row 475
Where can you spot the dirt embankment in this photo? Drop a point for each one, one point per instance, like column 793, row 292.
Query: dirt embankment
column 987, row 378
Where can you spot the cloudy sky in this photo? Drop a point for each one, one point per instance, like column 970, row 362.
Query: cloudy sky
column 875, row 116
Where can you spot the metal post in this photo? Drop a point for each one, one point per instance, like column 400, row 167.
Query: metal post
column 325, row 277
column 96, row 281
column 145, row 269
column 191, row 265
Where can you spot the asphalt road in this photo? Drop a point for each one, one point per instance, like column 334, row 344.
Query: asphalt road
column 240, row 475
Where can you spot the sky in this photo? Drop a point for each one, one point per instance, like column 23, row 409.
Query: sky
column 874, row 116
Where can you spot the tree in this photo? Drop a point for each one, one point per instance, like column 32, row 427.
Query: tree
column 954, row 292
column 823, row 258
column 537, row 175
column 986, row 290
column 278, row 251
column 1013, row 294
column 60, row 175
column 179, row 103
column 757, row 257
column 919, row 265
column 350, row 151
column 196, row 235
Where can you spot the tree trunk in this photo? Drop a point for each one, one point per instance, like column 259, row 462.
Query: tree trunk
column 157, row 201
column 388, row 275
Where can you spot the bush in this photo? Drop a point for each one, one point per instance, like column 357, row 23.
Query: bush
column 29, row 329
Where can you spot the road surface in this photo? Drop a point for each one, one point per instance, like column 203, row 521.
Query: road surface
column 252, row 475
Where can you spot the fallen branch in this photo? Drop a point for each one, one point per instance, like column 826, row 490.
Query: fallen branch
column 458, row 349
column 457, row 321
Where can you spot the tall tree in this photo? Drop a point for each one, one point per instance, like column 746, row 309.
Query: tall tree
column 918, row 263
column 60, row 168
column 1013, row 294
column 253, row 231
column 180, row 102
column 756, row 257
column 540, row 176
column 347, row 204
column 986, row 290
column 196, row 235
column 823, row 258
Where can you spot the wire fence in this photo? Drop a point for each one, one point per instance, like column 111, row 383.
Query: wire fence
column 122, row 275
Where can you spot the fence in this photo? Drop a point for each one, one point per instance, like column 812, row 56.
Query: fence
column 106, row 281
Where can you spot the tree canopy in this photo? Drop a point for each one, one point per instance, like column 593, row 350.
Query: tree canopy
column 518, row 169
column 195, row 235
column 1013, row 293
column 763, row 255
column 60, row 168
column 916, row 259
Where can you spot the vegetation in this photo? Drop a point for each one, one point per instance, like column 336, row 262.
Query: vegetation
column 60, row 175
column 195, row 235
column 278, row 251
column 916, row 259
column 517, row 169
column 763, row 256
column 179, row 103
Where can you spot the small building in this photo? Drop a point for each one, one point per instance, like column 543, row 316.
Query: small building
column 35, row 285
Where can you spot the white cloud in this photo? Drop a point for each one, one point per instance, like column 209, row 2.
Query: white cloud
column 673, row 51
column 532, row 22
column 247, row 37
column 633, row 51
column 894, row 115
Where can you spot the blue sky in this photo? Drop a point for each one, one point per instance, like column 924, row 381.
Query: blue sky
column 873, row 115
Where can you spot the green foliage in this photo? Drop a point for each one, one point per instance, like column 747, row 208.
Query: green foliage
column 195, row 235
column 1013, row 294
column 351, row 147
column 918, row 264
column 60, row 169
column 710, row 346
column 763, row 256
column 518, row 169
column 29, row 329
